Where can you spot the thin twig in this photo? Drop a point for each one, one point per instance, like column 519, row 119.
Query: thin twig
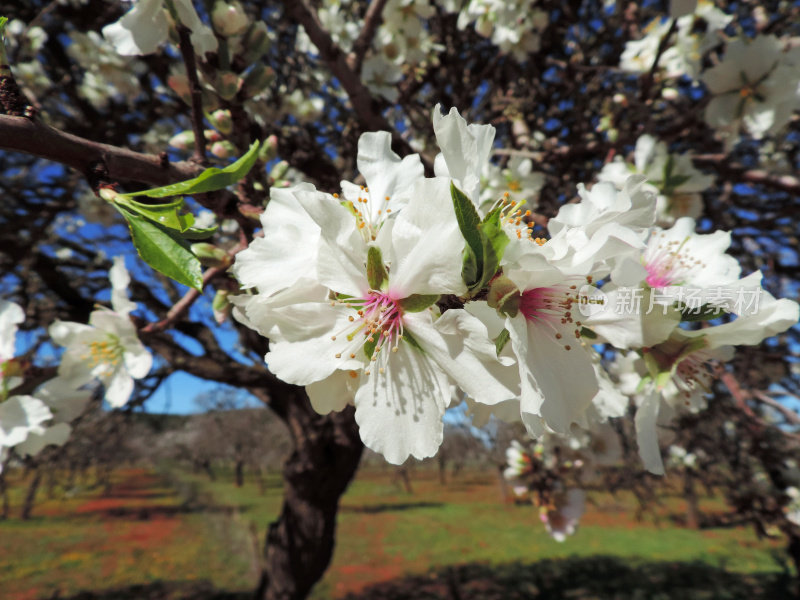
column 189, row 298
column 647, row 82
column 187, row 52
column 790, row 415
column 371, row 22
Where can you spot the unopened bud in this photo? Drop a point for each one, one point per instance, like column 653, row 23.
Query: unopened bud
column 108, row 194
column 259, row 77
column 180, row 85
column 279, row 170
column 221, row 119
column 229, row 18
column 228, row 85
column 670, row 93
column 223, row 149
column 221, row 306
column 269, row 149
column 256, row 42
column 210, row 255
column 183, row 140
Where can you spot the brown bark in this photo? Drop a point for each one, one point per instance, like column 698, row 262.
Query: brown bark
column 692, row 502
column 30, row 496
column 239, row 473
column 4, row 492
column 299, row 545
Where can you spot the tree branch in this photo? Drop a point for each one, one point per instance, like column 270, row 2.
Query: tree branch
column 187, row 52
column 360, row 96
column 32, row 137
column 371, row 22
column 720, row 162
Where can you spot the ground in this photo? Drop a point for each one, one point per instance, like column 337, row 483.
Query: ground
column 167, row 535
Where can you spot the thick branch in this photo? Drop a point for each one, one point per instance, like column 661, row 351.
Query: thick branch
column 32, row 137
column 360, row 96
column 720, row 162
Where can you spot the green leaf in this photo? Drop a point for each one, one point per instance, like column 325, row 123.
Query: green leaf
column 468, row 219
column 196, row 233
column 501, row 340
column 167, row 215
column 469, row 223
column 209, row 180
column 588, row 334
column 494, row 241
column 164, row 250
column 376, row 271
column 369, row 347
column 486, row 241
column 418, row 302
column 3, row 21
column 469, row 268
column 704, row 313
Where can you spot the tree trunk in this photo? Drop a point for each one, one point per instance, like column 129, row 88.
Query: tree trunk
column 4, row 493
column 27, row 507
column 239, row 473
column 692, row 503
column 793, row 548
column 299, row 545
column 206, row 464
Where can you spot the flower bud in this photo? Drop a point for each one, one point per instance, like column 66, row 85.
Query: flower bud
column 210, row 255
column 256, row 42
column 108, row 194
column 228, row 85
column 221, row 119
column 180, row 85
column 259, row 77
column 279, row 170
column 269, row 149
column 182, row 141
column 222, row 149
column 229, row 18
column 221, row 306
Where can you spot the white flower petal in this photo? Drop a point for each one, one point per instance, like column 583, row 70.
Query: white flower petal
column 119, row 388
column 427, row 245
column 140, row 31
column 57, row 435
column 459, row 344
column 399, row 412
column 333, row 393
column 20, row 415
column 646, row 434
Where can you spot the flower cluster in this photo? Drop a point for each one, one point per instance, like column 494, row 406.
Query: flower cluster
column 754, row 85
column 386, row 295
column 106, row 350
column 552, row 473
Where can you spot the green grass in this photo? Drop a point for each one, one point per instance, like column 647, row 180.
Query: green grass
column 183, row 536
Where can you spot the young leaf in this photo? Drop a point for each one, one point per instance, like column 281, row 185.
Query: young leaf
column 164, row 251
column 501, row 340
column 167, row 215
column 418, row 302
column 494, row 242
column 209, row 180
column 469, row 224
column 704, row 313
column 376, row 271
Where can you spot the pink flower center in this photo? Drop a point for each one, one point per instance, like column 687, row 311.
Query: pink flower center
column 550, row 309
column 378, row 324
column 668, row 263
